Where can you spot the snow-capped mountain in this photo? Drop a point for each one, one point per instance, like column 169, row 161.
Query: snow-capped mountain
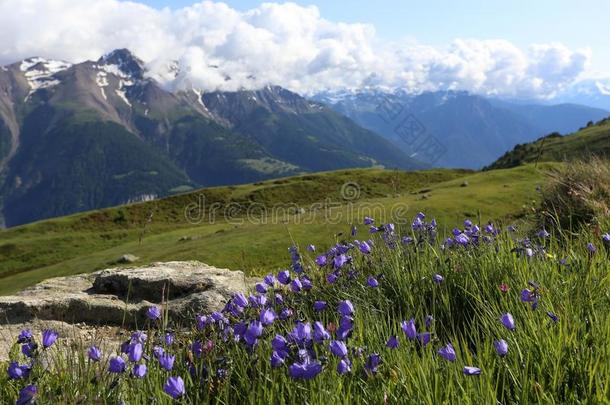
column 104, row 132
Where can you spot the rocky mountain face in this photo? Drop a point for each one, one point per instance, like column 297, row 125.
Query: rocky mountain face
column 468, row 130
column 102, row 133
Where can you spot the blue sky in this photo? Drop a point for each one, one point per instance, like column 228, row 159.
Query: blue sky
column 576, row 24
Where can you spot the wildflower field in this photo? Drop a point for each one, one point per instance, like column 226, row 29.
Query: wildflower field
column 381, row 314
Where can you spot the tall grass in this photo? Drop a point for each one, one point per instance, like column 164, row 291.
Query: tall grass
column 567, row 361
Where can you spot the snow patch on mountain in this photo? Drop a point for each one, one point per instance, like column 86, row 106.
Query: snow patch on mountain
column 40, row 73
column 102, row 81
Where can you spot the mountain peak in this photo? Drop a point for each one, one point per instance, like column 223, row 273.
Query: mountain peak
column 125, row 61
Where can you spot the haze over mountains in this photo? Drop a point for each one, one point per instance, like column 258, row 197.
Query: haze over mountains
column 101, row 133
column 473, row 130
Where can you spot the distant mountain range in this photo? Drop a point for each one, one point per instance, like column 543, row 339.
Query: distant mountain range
column 468, row 130
column 101, row 133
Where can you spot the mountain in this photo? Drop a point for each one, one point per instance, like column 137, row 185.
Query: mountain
column 590, row 92
column 594, row 139
column 101, row 133
column 469, row 130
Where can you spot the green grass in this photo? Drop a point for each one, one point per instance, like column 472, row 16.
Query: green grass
column 547, row 362
column 592, row 140
column 94, row 240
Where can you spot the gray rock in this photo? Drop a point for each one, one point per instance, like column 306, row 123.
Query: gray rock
column 121, row 296
column 128, row 258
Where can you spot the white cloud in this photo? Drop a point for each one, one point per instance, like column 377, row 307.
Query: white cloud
column 218, row 47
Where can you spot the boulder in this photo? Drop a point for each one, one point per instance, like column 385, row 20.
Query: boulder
column 121, row 296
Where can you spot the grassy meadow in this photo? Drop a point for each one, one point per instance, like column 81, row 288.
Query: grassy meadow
column 160, row 231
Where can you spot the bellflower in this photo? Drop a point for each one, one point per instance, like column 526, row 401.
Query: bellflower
column 340, row 261
column 269, row 280
column 285, row 313
column 296, row 285
column 174, row 387
column 26, row 395
column 591, row 248
column 24, row 336
column 167, row 361
column 321, row 260
column 345, row 308
column 139, row 370
column 508, row 321
column 169, row 339
column 409, row 329
column 260, row 288
column 437, row 278
column 372, row 363
column 254, row 331
column 48, row 338
column 135, row 352
column 424, row 338
column 16, row 371
column 320, row 333
column 276, row 360
column 346, row 324
column 332, row 277
column 153, row 313
column 29, row 349
column 553, row 317
column 368, row 221
column 117, row 365
column 364, row 248
column 501, row 347
column 240, row 300
column 606, row 238
column 319, row 306
column 344, row 366
column 267, row 316
column 392, row 342
column 338, row 348
column 469, row 370
column 447, row 353
column 284, row 277
column 301, row 334
column 305, row 370
column 372, row 282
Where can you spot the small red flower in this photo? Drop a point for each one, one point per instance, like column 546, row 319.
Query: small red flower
column 504, row 288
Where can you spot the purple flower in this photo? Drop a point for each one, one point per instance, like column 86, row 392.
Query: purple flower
column 24, row 336
column 285, row 313
column 508, row 321
column 139, row 337
column 437, row 278
column 158, row 351
column 202, row 321
column 447, row 352
column 311, row 248
column 424, row 338
column 338, row 348
column 174, row 387
column 16, row 371
column 591, row 248
column 345, row 308
column 462, row 239
column 135, row 352
column 276, row 360
column 284, row 277
column 409, row 328
column 467, row 223
column 468, row 370
column 501, row 347
column 279, row 299
column 240, row 299
column 26, row 395
column 319, row 332
column 553, row 317
column 332, row 277
column 94, row 353
column 354, row 231
column 543, row 234
column 167, row 361
column 340, row 261
column 372, row 282
column 319, row 306
column 296, row 285
column 267, row 316
column 253, row 332
column 344, row 366
column 48, row 338
column 117, row 365
column 305, row 371
column 372, row 363
column 527, row 295
column 269, row 280
column 306, row 283
column 301, row 333
column 260, row 288
column 139, row 370
column 169, row 339
column 392, row 342
column 407, row 240
column 197, row 348
column 279, row 343
column 346, row 325
column 28, row 349
column 321, row 260
column 606, row 237
column 153, row 313
column 364, row 248
column 368, row 221
column 428, row 321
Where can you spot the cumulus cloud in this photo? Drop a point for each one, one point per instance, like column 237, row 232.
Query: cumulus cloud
column 217, row 47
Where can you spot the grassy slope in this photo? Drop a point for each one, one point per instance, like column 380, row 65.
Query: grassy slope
column 90, row 241
column 594, row 139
